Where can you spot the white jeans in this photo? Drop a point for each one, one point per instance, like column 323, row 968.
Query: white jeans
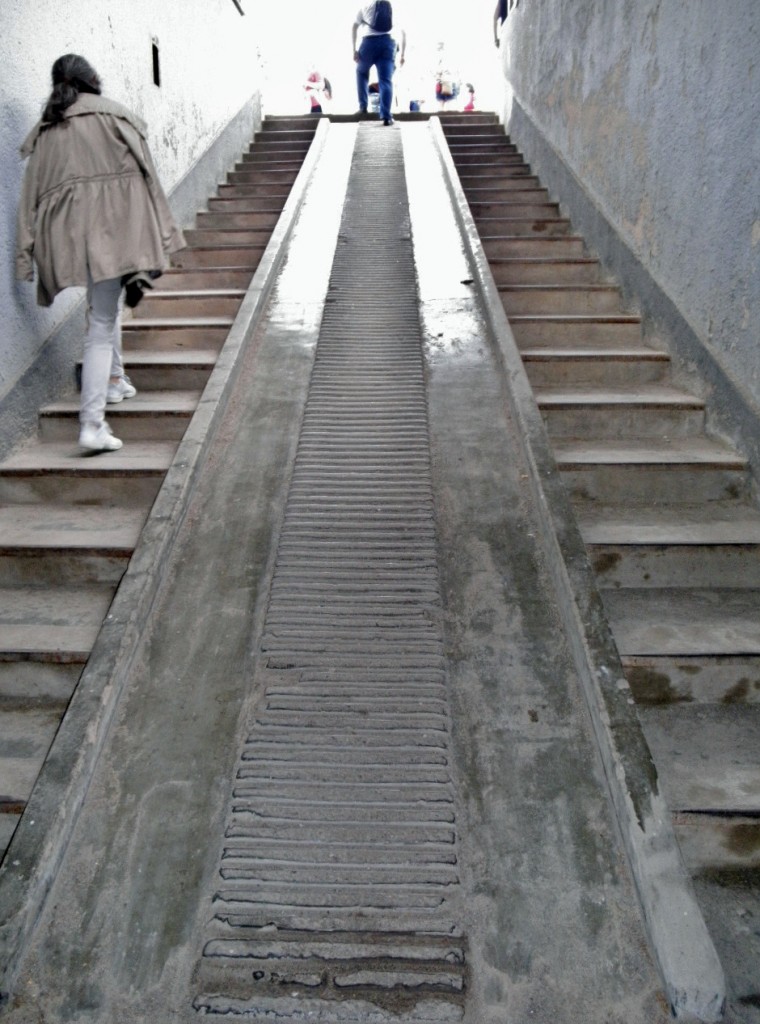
column 102, row 348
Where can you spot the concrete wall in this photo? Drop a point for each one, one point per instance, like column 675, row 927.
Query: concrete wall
column 201, row 116
column 642, row 115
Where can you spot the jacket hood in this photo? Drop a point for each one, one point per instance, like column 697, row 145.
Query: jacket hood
column 88, row 103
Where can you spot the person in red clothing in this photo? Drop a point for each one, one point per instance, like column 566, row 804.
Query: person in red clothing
column 316, row 87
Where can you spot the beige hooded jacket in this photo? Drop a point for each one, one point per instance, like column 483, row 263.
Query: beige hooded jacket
column 91, row 200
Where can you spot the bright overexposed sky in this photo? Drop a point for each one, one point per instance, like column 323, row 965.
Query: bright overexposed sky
column 298, row 35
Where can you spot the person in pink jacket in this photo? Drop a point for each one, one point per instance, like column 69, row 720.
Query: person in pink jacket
column 92, row 214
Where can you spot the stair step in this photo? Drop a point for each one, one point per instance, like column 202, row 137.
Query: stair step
column 255, row 164
column 697, row 453
column 171, row 323
column 673, row 546
column 472, row 122
column 184, row 369
column 283, row 136
column 707, row 757
column 484, row 171
column 648, row 471
column 65, row 544
column 717, row 842
column 28, row 684
column 8, row 822
column 471, row 181
column 641, row 564
column 175, row 332
column 271, row 155
column 177, row 304
column 532, row 329
column 452, row 119
column 523, row 246
column 681, row 621
column 235, row 221
column 254, row 182
column 24, row 743
column 213, row 278
column 228, row 256
column 543, row 227
column 280, row 142
column 511, row 209
column 251, row 203
column 729, row 523
column 57, row 472
column 51, row 623
column 249, row 174
column 710, row 679
column 560, row 299
column 467, row 157
column 493, row 146
column 275, row 149
column 610, row 366
column 285, row 123
column 557, row 272
column 519, row 193
column 69, row 528
column 201, row 238
column 652, row 410
column 151, row 415
column 466, row 130
column 652, row 396
column 251, row 193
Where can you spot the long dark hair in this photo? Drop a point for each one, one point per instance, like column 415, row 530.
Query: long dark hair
column 71, row 75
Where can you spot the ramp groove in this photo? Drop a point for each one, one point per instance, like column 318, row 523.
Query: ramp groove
column 338, row 879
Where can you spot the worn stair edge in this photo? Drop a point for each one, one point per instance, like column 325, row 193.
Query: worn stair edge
column 41, row 838
column 692, row 973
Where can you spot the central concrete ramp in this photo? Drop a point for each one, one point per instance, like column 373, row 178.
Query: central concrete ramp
column 338, row 873
column 351, row 776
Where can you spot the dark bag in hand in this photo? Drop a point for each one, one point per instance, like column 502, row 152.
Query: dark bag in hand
column 135, row 285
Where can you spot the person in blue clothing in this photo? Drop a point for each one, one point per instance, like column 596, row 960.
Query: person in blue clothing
column 378, row 48
column 499, row 17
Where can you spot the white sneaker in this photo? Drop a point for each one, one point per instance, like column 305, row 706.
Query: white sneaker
column 98, row 438
column 117, row 390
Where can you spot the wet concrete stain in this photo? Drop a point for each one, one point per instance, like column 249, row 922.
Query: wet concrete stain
column 744, row 838
column 606, row 561
column 650, row 686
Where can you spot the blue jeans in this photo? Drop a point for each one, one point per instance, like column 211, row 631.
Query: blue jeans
column 379, row 51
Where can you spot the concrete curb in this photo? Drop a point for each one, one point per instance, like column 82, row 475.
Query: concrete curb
column 42, row 836
column 691, row 971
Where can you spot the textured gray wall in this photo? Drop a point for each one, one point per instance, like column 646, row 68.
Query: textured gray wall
column 652, row 107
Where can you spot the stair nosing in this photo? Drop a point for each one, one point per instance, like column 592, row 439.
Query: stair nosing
column 158, row 323
column 625, row 353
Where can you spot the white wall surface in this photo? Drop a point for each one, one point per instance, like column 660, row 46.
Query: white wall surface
column 654, row 107
column 464, row 27
column 210, row 69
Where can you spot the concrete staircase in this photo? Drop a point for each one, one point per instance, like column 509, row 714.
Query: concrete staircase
column 667, row 515
column 70, row 523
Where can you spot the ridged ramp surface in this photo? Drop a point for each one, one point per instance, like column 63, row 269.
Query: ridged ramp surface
column 338, row 882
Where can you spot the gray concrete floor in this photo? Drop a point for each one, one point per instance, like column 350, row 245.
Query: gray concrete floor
column 552, row 921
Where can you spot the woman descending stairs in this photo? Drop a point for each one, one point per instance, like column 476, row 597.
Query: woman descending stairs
column 667, row 514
